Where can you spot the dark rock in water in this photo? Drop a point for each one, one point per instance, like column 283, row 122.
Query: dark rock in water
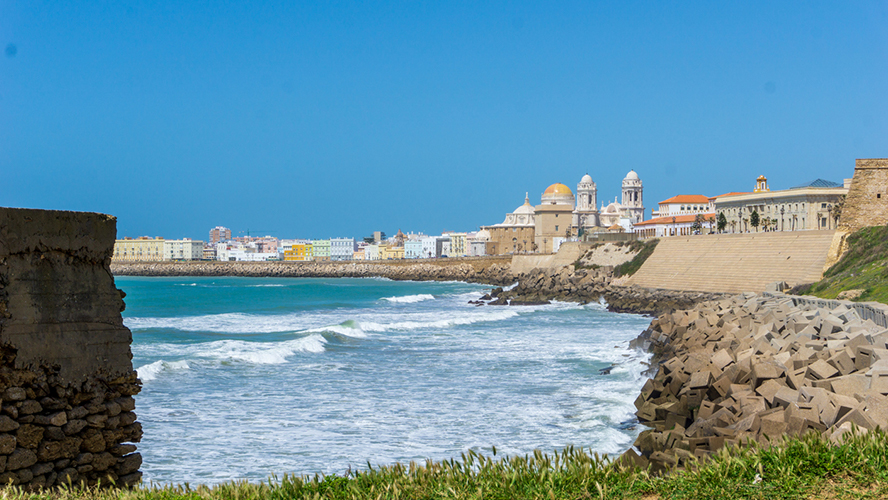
column 496, row 291
column 486, row 297
column 528, row 300
column 605, row 371
column 501, row 301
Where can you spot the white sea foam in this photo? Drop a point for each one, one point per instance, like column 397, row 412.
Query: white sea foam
column 152, row 370
column 260, row 353
column 410, row 299
column 348, row 328
column 224, row 323
column 454, row 318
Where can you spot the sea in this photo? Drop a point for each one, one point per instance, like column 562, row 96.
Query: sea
column 254, row 378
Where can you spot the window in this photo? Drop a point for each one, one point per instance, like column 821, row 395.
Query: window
column 556, row 228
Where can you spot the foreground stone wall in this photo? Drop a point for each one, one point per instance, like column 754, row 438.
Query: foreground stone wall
column 756, row 367
column 66, row 376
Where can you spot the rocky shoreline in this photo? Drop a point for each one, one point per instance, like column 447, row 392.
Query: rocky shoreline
column 592, row 285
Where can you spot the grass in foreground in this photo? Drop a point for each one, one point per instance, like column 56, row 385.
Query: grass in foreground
column 863, row 267
column 809, row 467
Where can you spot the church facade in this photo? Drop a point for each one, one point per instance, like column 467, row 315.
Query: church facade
column 562, row 215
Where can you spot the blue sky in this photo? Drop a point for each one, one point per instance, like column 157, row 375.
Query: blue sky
column 335, row 119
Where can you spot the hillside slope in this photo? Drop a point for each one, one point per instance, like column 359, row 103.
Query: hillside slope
column 862, row 271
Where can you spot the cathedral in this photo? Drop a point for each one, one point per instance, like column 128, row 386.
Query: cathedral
column 562, row 215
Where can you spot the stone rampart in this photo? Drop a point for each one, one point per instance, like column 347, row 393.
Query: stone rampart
column 66, row 376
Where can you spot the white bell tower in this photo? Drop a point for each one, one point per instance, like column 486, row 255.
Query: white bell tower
column 586, row 213
column 633, row 203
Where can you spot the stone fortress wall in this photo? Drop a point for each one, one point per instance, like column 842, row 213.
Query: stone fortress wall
column 866, row 204
column 66, row 376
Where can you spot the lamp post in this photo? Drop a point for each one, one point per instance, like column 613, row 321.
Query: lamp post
column 782, row 226
column 673, row 227
column 829, row 217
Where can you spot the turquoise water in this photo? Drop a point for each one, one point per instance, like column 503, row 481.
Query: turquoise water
column 249, row 377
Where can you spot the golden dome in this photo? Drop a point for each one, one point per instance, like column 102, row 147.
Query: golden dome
column 558, row 189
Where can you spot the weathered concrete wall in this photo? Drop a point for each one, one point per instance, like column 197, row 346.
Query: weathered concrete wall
column 867, row 202
column 735, row 263
column 66, row 375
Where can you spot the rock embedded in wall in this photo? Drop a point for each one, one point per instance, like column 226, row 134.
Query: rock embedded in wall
column 66, row 376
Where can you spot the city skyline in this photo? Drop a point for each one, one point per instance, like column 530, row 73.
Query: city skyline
column 338, row 120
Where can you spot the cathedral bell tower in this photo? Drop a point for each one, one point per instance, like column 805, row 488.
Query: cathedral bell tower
column 633, row 203
column 586, row 213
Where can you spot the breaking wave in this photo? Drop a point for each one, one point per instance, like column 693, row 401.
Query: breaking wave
column 410, row 299
column 152, row 370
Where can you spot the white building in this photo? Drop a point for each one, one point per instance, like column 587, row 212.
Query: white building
column 238, row 252
column 371, row 252
column 413, row 249
column 342, row 248
column 684, row 204
column 184, row 249
column 429, row 247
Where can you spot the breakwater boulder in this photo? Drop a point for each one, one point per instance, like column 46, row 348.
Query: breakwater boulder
column 491, row 270
column 757, row 367
column 66, row 376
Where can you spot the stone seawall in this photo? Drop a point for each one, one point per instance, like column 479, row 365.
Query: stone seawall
column 66, row 376
column 489, row 270
column 757, row 367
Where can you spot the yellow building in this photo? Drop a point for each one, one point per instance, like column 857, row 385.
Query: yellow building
column 390, row 253
column 300, row 252
column 553, row 217
column 458, row 244
column 143, row 249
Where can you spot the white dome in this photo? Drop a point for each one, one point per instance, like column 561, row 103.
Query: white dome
column 587, row 179
column 482, row 235
column 526, row 209
column 632, row 175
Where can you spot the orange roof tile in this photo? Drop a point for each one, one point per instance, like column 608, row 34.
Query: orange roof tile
column 687, row 198
column 673, row 220
column 735, row 193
